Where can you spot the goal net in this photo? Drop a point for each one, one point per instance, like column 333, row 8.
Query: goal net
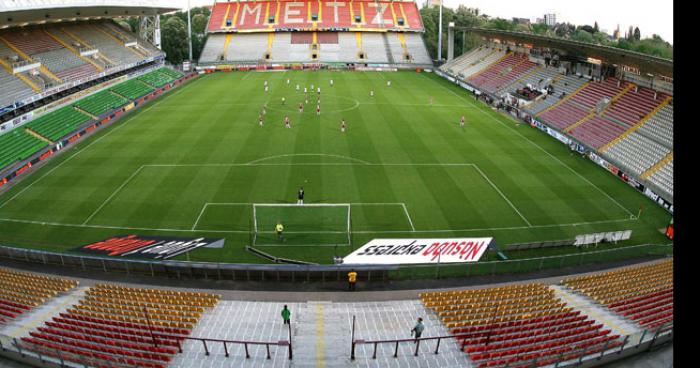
column 317, row 224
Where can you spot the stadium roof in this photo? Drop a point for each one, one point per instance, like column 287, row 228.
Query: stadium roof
column 26, row 12
column 608, row 55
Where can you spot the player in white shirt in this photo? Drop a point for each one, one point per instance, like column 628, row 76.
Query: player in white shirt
column 283, row 100
column 260, row 120
column 388, row 83
column 342, row 126
column 461, row 122
column 331, row 82
column 287, row 80
column 301, row 107
column 305, row 90
column 286, row 122
column 265, row 88
column 318, row 90
column 297, row 87
column 264, row 111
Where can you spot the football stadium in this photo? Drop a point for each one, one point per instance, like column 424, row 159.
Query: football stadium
column 316, row 187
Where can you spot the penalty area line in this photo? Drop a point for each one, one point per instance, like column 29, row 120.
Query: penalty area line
column 501, row 122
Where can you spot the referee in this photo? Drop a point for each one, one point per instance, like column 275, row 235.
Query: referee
column 300, row 196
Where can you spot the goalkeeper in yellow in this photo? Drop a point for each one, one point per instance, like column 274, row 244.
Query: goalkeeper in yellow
column 279, row 228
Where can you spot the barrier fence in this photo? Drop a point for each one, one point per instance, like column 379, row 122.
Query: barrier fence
column 326, row 273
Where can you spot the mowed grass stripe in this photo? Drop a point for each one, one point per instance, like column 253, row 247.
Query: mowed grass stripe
column 214, row 121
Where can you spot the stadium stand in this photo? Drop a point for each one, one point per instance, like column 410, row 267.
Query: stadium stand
column 517, row 323
column 160, row 77
column 23, row 291
column 59, row 123
column 21, row 143
column 643, row 294
column 132, row 89
column 123, row 325
column 18, row 145
column 100, row 103
column 240, row 32
column 474, row 61
column 93, row 35
column 500, row 74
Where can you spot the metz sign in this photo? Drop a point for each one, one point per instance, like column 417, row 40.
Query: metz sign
column 413, row 251
column 152, row 247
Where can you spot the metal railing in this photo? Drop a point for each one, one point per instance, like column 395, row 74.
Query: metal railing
column 226, row 343
column 611, row 350
column 65, row 358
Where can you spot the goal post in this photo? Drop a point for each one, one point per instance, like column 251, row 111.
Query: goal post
column 313, row 224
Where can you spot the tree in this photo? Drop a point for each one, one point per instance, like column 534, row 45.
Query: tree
column 595, row 27
column 174, row 40
column 582, row 36
column 637, row 34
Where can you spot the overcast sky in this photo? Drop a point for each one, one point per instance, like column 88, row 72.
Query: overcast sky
column 651, row 16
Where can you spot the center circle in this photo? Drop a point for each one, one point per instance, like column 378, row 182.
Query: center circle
column 291, row 105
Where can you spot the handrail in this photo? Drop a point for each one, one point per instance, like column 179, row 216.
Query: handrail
column 245, row 343
column 665, row 330
column 397, row 341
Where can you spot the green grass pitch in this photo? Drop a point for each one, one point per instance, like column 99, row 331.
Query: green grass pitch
column 404, row 165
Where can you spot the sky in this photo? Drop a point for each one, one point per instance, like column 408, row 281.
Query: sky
column 651, row 16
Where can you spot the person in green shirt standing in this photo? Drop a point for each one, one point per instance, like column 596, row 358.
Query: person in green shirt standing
column 285, row 315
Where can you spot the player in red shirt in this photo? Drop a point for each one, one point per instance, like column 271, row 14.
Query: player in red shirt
column 318, row 110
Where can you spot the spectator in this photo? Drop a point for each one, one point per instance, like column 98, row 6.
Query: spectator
column 285, row 315
column 352, row 280
column 417, row 330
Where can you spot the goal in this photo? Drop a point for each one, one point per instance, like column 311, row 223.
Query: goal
column 314, row 224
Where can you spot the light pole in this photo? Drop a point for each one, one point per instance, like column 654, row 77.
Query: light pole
column 439, row 55
column 189, row 28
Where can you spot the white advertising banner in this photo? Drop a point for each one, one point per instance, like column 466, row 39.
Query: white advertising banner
column 416, row 251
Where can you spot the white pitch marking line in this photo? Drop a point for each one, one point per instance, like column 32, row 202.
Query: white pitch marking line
column 308, row 154
column 200, row 216
column 408, row 216
column 128, row 120
column 542, row 149
column 309, row 232
column 503, row 195
column 113, row 194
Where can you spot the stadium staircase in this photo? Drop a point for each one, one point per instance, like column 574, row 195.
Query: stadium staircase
column 59, row 123
column 18, row 145
column 74, row 51
column 24, row 291
column 105, row 60
column 387, row 48
column 563, row 100
column 641, row 294
column 514, row 324
column 668, row 158
column 116, row 325
column 635, row 127
column 25, row 57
